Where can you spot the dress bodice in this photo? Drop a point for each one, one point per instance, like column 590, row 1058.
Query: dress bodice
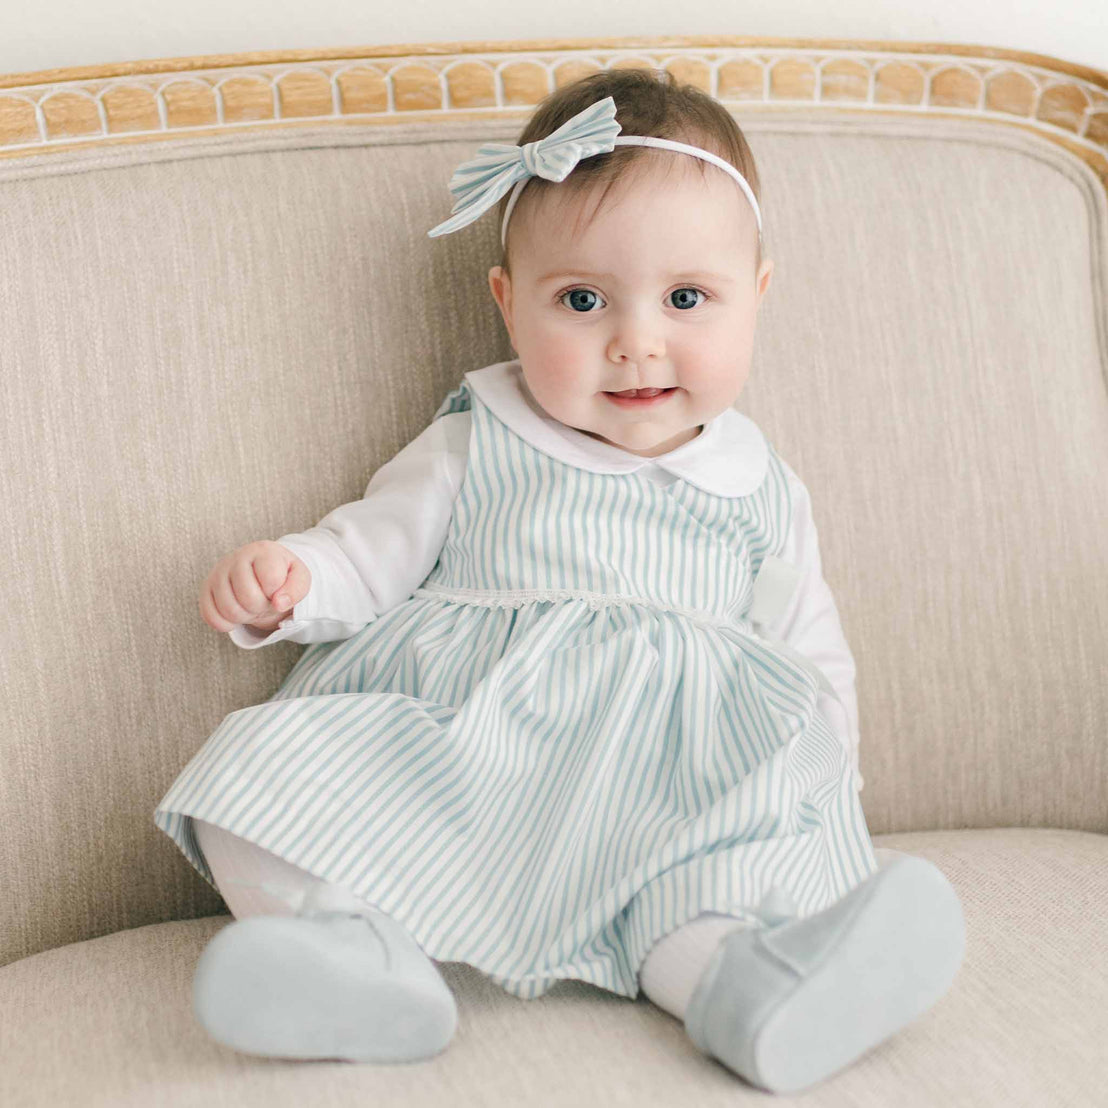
column 527, row 522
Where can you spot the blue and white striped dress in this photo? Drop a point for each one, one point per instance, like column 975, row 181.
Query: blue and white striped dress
column 566, row 743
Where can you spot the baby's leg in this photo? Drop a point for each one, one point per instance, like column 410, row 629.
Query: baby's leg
column 308, row 970
column 676, row 963
column 785, row 1005
column 255, row 882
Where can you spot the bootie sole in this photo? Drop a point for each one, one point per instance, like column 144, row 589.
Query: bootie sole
column 788, row 1007
column 289, row 987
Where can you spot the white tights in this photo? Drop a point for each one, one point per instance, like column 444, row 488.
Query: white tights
column 668, row 976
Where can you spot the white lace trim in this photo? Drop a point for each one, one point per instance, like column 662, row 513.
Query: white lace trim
column 516, row 598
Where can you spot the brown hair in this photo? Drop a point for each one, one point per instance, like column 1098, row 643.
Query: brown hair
column 648, row 102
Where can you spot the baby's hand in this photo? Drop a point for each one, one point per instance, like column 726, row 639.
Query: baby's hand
column 259, row 584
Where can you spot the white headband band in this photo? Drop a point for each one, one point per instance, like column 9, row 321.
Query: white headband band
column 480, row 182
column 664, row 144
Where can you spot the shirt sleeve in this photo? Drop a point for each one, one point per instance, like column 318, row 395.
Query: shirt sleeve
column 367, row 556
column 810, row 624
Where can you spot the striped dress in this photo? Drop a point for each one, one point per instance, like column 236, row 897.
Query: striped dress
column 569, row 741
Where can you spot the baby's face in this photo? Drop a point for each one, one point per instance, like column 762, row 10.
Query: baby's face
column 659, row 291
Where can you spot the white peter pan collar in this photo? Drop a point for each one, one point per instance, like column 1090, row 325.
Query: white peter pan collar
column 728, row 458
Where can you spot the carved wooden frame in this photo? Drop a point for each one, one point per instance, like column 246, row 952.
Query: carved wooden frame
column 65, row 109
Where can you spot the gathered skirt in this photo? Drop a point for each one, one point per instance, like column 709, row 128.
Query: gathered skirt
column 542, row 790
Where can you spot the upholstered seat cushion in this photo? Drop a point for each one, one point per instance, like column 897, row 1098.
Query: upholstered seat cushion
column 108, row 1021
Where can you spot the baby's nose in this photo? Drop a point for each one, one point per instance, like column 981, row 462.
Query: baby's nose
column 636, row 345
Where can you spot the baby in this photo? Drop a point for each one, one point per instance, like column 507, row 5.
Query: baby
column 577, row 702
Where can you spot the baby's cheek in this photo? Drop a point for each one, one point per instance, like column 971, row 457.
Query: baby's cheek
column 550, row 378
column 556, row 366
column 562, row 354
column 700, row 373
column 715, row 363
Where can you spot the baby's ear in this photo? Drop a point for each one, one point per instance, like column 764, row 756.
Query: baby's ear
column 501, row 286
column 761, row 281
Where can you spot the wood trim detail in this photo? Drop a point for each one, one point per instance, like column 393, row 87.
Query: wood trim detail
column 67, row 109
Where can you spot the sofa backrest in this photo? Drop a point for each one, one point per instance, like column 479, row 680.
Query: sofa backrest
column 210, row 339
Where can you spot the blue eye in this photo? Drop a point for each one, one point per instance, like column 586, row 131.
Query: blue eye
column 579, row 299
column 584, row 301
column 680, row 298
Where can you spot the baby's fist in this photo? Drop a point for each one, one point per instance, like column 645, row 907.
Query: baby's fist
column 259, row 584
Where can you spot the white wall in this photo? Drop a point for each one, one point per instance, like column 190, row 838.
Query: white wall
column 63, row 33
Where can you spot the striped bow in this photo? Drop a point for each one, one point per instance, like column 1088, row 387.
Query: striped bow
column 480, row 182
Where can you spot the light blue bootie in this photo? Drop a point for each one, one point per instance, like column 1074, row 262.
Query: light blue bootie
column 788, row 1005
column 338, row 980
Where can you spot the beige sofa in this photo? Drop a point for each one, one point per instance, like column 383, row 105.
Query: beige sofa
column 220, row 313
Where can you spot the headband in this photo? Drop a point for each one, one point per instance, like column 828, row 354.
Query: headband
column 479, row 183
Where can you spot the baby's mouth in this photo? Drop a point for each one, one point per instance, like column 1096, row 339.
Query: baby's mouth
column 641, row 392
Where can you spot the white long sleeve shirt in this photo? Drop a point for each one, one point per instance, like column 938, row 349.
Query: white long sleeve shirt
column 367, row 556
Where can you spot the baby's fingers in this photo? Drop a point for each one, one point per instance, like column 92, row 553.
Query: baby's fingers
column 282, row 575
column 239, row 595
column 294, row 588
column 249, row 594
column 210, row 612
